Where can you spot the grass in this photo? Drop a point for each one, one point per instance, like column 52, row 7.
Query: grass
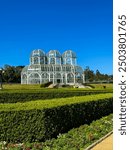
column 36, row 88
column 21, row 86
column 40, row 104
column 100, row 86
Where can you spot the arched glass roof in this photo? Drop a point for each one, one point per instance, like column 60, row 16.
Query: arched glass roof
column 69, row 53
column 54, row 53
column 37, row 52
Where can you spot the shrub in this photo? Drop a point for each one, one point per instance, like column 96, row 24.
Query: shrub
column 78, row 138
column 81, row 137
column 42, row 120
column 22, row 96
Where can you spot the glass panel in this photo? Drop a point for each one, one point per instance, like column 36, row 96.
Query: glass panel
column 58, row 61
column 58, row 75
column 52, row 60
column 51, row 55
column 68, row 55
column 42, row 60
column 34, row 78
column 45, row 75
column 68, row 61
column 51, row 75
column 24, row 76
column 70, row 78
column 73, row 61
column 35, row 60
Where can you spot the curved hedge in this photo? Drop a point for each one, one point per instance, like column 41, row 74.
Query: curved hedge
column 42, row 120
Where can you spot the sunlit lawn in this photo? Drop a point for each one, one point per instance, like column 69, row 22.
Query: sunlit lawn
column 36, row 87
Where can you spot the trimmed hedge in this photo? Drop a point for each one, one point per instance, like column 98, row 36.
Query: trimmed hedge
column 42, row 120
column 14, row 97
column 76, row 139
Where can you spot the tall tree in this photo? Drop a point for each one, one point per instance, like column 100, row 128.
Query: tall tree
column 89, row 75
column 98, row 75
column 9, row 73
column 12, row 74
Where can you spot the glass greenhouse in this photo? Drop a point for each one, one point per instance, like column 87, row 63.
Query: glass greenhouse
column 53, row 67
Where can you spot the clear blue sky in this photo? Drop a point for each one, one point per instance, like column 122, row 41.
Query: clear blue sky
column 85, row 26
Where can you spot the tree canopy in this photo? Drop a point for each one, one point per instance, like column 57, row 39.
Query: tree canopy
column 11, row 74
column 91, row 76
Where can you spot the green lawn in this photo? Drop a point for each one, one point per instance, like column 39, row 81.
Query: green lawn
column 101, row 86
column 37, row 88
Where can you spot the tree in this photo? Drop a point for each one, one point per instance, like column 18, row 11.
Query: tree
column 12, row 74
column 9, row 72
column 18, row 70
column 98, row 75
column 89, row 75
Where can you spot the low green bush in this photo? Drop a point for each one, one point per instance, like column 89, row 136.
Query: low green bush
column 22, row 96
column 42, row 120
column 76, row 139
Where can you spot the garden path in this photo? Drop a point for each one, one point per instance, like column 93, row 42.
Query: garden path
column 106, row 144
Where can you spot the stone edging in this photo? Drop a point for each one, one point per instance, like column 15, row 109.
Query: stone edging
column 97, row 142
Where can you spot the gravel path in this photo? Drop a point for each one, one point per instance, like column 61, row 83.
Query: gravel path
column 106, row 144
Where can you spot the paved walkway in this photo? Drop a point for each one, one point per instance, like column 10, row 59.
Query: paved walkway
column 106, row 144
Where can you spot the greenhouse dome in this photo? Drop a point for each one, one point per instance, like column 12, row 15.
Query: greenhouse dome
column 69, row 53
column 54, row 67
column 69, row 57
column 54, row 53
column 37, row 52
column 54, row 57
column 38, row 57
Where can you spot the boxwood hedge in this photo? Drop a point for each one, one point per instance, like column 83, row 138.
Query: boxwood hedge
column 76, row 139
column 42, row 120
column 22, row 96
